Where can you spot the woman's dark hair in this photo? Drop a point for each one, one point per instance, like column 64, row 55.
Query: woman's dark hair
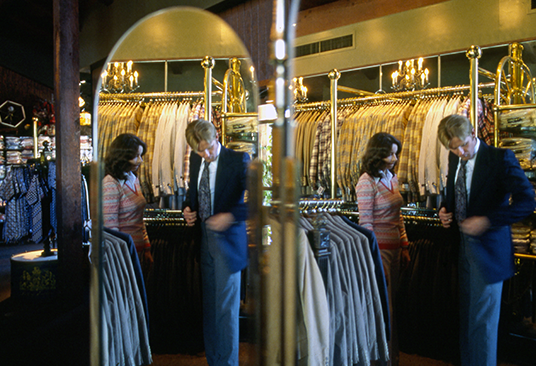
column 378, row 148
column 123, row 148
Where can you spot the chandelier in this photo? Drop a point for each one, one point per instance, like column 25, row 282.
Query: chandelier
column 119, row 77
column 407, row 77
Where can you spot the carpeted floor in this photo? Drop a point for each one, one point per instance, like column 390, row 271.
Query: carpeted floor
column 247, row 354
column 245, row 357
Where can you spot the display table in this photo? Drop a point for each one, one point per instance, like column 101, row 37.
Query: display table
column 34, row 276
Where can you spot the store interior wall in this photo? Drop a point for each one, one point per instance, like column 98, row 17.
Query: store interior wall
column 442, row 28
column 446, row 29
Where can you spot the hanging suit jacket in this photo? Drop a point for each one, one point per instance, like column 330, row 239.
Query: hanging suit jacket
column 497, row 176
column 228, row 197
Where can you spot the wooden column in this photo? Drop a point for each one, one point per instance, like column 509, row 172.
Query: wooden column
column 68, row 173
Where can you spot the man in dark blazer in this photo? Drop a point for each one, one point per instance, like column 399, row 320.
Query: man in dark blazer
column 224, row 244
column 498, row 194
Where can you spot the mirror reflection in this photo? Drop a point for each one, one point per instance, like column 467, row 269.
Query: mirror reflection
column 173, row 68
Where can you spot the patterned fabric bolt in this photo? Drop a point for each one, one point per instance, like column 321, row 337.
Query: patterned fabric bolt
column 204, row 194
column 460, row 193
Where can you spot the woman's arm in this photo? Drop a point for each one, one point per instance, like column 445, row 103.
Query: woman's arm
column 366, row 192
column 111, row 196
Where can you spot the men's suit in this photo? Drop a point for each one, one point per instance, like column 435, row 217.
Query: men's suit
column 500, row 191
column 223, row 255
column 496, row 176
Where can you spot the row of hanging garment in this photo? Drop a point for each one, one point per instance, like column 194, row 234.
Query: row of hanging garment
column 424, row 160
column 125, row 333
column 29, row 212
column 174, row 285
column 161, row 125
column 428, row 289
column 305, row 136
column 344, row 320
column 414, row 122
column 29, row 192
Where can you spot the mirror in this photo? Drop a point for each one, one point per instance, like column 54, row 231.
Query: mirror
column 454, row 70
column 160, row 61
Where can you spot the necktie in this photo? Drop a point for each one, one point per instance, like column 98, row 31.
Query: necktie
column 460, row 193
column 204, row 194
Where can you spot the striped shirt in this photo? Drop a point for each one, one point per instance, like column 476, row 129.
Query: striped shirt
column 379, row 211
column 123, row 210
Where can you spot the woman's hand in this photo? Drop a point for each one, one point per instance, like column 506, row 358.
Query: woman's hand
column 405, row 259
column 148, row 257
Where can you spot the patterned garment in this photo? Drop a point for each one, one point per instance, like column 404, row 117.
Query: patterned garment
column 379, row 211
column 123, row 210
column 460, row 193
column 34, row 196
column 204, row 194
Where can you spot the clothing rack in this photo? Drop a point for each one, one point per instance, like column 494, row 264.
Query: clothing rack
column 414, row 94
column 313, row 106
column 473, row 54
column 157, row 216
column 311, row 206
column 159, row 96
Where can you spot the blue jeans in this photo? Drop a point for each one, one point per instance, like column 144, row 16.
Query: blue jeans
column 221, row 303
column 480, row 305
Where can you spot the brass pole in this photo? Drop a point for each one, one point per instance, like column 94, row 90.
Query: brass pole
column 334, row 76
column 516, row 51
column 439, row 71
column 35, row 139
column 474, row 53
column 284, row 244
column 208, row 64
column 166, row 76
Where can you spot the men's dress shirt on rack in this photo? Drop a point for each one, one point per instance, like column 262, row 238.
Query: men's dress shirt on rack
column 460, row 193
column 204, row 194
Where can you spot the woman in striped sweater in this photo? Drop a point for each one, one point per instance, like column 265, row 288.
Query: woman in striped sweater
column 379, row 203
column 123, row 201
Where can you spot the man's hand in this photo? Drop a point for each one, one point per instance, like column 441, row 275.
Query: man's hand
column 190, row 216
column 445, row 217
column 475, row 225
column 220, row 222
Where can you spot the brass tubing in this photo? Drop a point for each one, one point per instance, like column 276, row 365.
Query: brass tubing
column 347, row 89
column 486, row 73
column 334, row 76
column 284, row 243
column 474, row 53
column 516, row 51
column 512, row 107
column 208, row 64
column 217, row 83
column 245, row 114
column 497, row 94
column 525, row 256
column 166, row 75
column 35, row 140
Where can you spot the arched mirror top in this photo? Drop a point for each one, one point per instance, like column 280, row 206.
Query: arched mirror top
column 179, row 33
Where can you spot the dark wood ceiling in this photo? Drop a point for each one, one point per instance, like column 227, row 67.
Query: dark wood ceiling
column 27, row 30
column 30, row 22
